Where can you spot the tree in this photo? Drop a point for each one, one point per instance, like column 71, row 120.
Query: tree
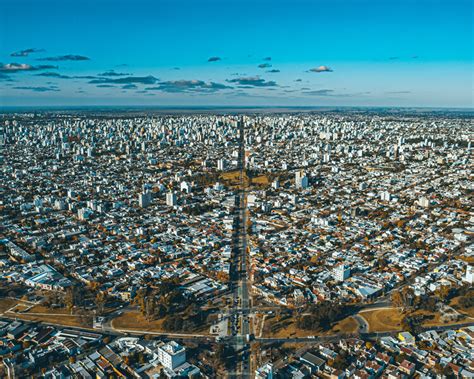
column 403, row 299
column 100, row 300
column 341, row 361
column 443, row 292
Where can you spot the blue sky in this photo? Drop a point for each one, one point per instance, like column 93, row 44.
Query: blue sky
column 229, row 52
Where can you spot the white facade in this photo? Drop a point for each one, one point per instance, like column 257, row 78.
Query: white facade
column 301, row 180
column 171, row 200
column 469, row 275
column 341, row 272
column 264, row 372
column 171, row 355
column 221, row 164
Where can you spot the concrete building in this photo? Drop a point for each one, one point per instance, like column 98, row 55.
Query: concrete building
column 144, row 199
column 301, row 180
column 469, row 278
column 171, row 355
column 171, row 200
column 341, row 272
column 264, row 372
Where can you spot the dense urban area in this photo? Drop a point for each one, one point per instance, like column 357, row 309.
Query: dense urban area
column 267, row 245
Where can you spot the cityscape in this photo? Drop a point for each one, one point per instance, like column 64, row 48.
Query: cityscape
column 286, row 245
column 264, row 189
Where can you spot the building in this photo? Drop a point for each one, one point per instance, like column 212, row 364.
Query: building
column 424, row 202
column 469, row 278
column 341, row 272
column 171, row 355
column 301, row 180
column 221, row 164
column 264, row 372
column 144, row 199
column 385, row 196
column 171, row 200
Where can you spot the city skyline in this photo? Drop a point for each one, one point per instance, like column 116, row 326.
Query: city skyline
column 236, row 53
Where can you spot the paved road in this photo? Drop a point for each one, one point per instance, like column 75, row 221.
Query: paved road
column 240, row 326
column 363, row 324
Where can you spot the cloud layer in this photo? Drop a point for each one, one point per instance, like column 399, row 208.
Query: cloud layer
column 38, row 89
column 252, row 81
column 68, row 57
column 26, row 52
column 126, row 80
column 176, row 86
column 19, row 67
column 214, row 59
column 321, row 69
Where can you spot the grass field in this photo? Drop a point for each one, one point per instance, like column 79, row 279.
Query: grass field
column 260, row 180
column 287, row 327
column 348, row 325
column 43, row 314
column 40, row 313
column 134, row 320
column 383, row 320
column 6, row 304
column 469, row 312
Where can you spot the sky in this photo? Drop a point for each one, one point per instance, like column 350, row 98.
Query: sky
column 410, row 53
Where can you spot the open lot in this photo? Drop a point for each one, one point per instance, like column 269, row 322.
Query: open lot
column 134, row 320
column 383, row 320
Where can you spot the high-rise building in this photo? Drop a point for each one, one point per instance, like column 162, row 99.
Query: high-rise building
column 469, row 278
column 144, row 199
column 385, row 196
column 221, row 164
column 264, row 372
column 301, row 180
column 171, row 355
column 171, row 200
column 341, row 272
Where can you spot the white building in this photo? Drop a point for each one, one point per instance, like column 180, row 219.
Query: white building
column 301, row 180
column 424, row 202
column 264, row 372
column 385, row 196
column 469, row 278
column 171, row 200
column 171, row 355
column 221, row 164
column 341, row 272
